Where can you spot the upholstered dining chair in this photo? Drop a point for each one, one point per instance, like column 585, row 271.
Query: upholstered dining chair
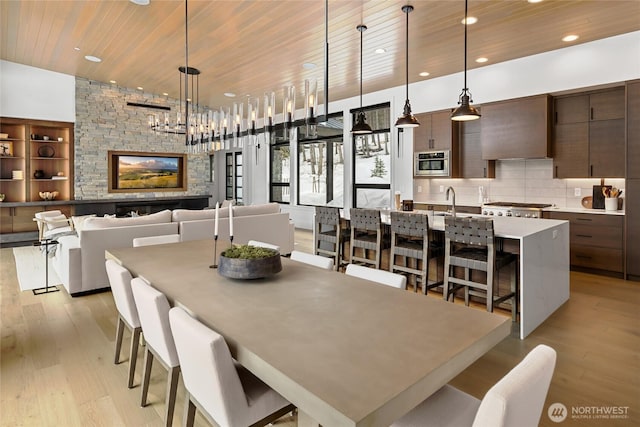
column 412, row 248
column 120, row 281
column 379, row 276
column 516, row 400
column 263, row 245
column 225, row 392
column 156, row 240
column 153, row 309
column 311, row 259
column 470, row 245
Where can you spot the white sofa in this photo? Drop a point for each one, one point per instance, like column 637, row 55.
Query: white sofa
column 79, row 259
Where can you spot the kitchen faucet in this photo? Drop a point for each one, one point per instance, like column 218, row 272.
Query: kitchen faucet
column 453, row 200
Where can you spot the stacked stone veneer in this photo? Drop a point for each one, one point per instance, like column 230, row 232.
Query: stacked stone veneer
column 104, row 122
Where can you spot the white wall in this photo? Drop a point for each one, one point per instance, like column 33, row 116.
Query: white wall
column 33, row 93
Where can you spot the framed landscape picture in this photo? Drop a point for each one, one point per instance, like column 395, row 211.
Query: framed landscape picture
column 133, row 171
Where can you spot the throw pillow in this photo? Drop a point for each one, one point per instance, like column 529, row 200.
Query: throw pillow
column 78, row 221
column 57, row 221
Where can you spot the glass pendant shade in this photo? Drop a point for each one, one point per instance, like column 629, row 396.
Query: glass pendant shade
column 407, row 120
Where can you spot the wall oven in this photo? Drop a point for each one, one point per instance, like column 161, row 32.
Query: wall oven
column 431, row 163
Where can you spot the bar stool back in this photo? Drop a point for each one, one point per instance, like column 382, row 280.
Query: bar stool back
column 469, row 244
column 366, row 234
column 410, row 240
column 329, row 237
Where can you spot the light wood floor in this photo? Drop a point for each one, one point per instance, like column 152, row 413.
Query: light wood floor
column 57, row 357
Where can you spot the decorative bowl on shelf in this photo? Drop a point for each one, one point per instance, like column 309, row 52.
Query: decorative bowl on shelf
column 249, row 262
column 1, row 197
column 46, row 151
column 48, row 195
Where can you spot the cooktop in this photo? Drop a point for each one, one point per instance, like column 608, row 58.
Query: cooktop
column 519, row 205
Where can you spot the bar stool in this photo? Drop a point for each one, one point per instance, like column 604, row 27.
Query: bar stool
column 469, row 244
column 410, row 240
column 328, row 230
column 366, row 234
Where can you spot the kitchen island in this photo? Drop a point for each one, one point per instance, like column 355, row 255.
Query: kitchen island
column 544, row 264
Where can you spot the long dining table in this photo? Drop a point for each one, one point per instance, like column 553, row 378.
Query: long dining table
column 345, row 351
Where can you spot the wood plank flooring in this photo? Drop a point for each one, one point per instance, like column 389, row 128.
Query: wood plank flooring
column 56, row 362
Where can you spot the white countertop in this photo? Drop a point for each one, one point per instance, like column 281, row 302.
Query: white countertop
column 508, row 227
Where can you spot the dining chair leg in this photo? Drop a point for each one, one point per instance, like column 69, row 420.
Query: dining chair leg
column 172, row 389
column 133, row 354
column 189, row 412
column 119, row 334
column 466, row 288
column 146, row 375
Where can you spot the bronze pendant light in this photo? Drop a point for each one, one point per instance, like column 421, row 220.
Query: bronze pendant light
column 407, row 120
column 465, row 111
column 361, row 127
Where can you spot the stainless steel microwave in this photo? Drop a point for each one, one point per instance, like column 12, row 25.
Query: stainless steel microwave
column 431, row 163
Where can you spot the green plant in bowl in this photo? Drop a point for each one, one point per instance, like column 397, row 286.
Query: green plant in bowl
column 249, row 262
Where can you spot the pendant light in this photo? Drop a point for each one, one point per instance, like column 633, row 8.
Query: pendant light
column 465, row 111
column 361, row 127
column 407, row 120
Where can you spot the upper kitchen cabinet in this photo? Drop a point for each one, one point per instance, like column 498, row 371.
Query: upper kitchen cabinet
column 471, row 163
column 436, row 132
column 633, row 130
column 517, row 128
column 588, row 137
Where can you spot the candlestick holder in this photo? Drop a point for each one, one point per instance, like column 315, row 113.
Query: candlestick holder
column 215, row 252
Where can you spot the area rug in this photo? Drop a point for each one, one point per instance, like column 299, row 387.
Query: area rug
column 30, row 268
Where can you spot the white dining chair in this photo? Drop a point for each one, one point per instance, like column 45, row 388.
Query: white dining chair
column 120, row 281
column 156, row 240
column 315, row 260
column 379, row 276
column 223, row 390
column 153, row 309
column 516, row 400
column 263, row 245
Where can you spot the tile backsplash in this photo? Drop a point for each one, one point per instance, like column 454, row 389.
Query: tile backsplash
column 523, row 181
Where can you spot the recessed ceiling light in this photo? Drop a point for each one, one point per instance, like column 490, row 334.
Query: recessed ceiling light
column 140, row 88
column 76, row 48
column 308, row 65
column 481, row 59
column 230, row 94
column 570, row 38
column 140, row 2
column 470, row 20
column 92, row 58
column 112, row 82
column 424, row 74
column 381, row 50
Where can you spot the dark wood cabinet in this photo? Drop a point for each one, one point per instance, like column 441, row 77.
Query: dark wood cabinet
column 633, row 130
column 436, row 132
column 589, row 134
column 472, row 165
column 517, row 128
column 596, row 240
column 632, row 218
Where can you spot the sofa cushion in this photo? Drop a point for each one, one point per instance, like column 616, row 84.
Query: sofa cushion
column 78, row 221
column 155, row 218
column 196, row 214
column 264, row 209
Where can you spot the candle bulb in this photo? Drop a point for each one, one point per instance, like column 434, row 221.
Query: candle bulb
column 231, row 221
column 215, row 231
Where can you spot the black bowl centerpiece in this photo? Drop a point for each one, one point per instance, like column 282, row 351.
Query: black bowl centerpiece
column 249, row 262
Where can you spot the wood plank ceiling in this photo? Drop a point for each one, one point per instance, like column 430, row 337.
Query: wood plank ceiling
column 258, row 46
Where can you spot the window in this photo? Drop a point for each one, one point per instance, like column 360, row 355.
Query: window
column 233, row 177
column 321, row 165
column 280, row 153
column 372, row 160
